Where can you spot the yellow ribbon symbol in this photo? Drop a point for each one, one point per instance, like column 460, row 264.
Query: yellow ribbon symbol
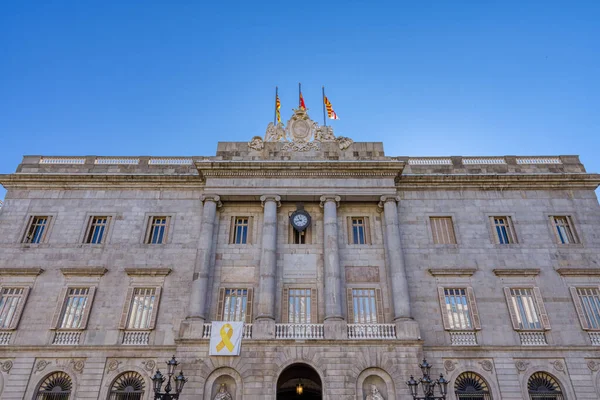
column 225, row 336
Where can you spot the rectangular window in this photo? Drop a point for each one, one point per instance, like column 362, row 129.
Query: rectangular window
column 36, row 229
column 364, row 306
column 97, row 230
column 240, row 230
column 74, row 309
column 12, row 301
column 235, row 305
column 358, row 230
column 587, row 303
column 299, row 306
column 442, row 230
column 524, row 305
column 563, row 229
column 158, row 227
column 142, row 308
column 457, row 309
column 503, row 230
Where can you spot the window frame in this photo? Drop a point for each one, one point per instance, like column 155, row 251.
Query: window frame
column 314, row 304
column 106, row 236
column 46, row 234
column 471, row 308
column 62, row 304
column 571, row 224
column 248, row 313
column 580, row 309
column 18, row 313
column 249, row 233
column 379, row 311
column 511, row 229
column 539, row 306
column 128, row 306
column 147, row 232
column 432, row 231
column 366, row 227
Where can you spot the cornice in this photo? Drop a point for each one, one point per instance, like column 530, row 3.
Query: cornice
column 452, row 271
column 18, row 271
column 83, row 271
column 578, row 271
column 516, row 271
column 498, row 181
column 142, row 271
column 96, row 181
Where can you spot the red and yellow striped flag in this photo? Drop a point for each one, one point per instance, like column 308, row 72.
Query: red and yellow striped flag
column 301, row 103
column 277, row 108
column 330, row 113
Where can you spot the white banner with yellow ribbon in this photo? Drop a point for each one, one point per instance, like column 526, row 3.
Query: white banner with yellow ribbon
column 226, row 338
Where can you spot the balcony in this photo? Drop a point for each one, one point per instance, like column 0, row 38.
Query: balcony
column 247, row 334
column 67, row 337
column 371, row 331
column 299, row 331
column 136, row 338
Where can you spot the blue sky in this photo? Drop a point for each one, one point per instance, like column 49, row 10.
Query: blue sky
column 174, row 78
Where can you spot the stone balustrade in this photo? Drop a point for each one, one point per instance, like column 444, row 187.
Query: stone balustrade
column 246, row 334
column 67, row 338
column 139, row 338
column 371, row 331
column 463, row 338
column 595, row 338
column 299, row 331
column 533, row 338
column 5, row 337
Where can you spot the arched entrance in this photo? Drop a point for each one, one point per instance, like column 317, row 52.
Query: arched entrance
column 299, row 374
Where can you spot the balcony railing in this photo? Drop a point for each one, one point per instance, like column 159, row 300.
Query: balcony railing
column 299, row 331
column 67, row 338
column 533, row 338
column 139, row 338
column 5, row 337
column 246, row 334
column 595, row 338
column 371, row 331
column 463, row 338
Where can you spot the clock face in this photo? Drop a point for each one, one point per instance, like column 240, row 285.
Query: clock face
column 300, row 220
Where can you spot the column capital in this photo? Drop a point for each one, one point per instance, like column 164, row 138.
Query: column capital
column 270, row 197
column 385, row 198
column 330, row 197
column 212, row 197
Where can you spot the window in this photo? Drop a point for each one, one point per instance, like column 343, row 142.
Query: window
column 37, row 227
column 97, row 230
column 235, row 305
column 442, row 230
column 140, row 308
column 471, row 386
column 563, row 230
column 241, row 228
column 365, row 306
column 459, row 311
column 128, row 386
column 543, row 386
column 73, row 309
column 56, row 386
column 299, row 305
column 12, row 301
column 157, row 231
column 526, row 308
column 358, row 230
column 587, row 304
column 503, row 231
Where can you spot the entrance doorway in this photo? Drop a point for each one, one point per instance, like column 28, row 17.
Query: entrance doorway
column 303, row 375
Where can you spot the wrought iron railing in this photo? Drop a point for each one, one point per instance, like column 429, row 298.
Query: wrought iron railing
column 546, row 396
column 473, row 396
column 123, row 395
column 62, row 395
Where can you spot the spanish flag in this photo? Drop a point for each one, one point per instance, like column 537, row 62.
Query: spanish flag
column 277, row 108
column 330, row 113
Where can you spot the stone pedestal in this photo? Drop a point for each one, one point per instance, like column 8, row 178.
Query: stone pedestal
column 263, row 328
column 407, row 329
column 336, row 329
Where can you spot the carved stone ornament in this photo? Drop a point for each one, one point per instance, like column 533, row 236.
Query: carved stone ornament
column 558, row 365
column 449, row 365
column 112, row 365
column 78, row 365
column 487, row 365
column 275, row 133
column 41, row 365
column 149, row 365
column 223, row 394
column 521, row 365
column 593, row 365
column 256, row 143
column 6, row 366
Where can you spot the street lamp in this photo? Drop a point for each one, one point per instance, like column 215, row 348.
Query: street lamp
column 158, row 379
column 427, row 384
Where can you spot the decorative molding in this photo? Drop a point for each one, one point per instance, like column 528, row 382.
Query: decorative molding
column 78, row 365
column 558, row 365
column 593, row 365
column 516, row 271
column 113, row 365
column 144, row 271
column 487, row 365
column 385, row 198
column 149, row 365
column 6, row 366
column 83, row 271
column 329, row 197
column 41, row 365
column 578, row 271
column 100, row 181
column 452, row 271
column 270, row 197
column 521, row 365
column 450, row 365
column 212, row 197
column 25, row 271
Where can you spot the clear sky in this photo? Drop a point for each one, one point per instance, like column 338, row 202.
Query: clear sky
column 174, row 78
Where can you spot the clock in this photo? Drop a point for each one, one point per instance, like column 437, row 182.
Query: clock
column 300, row 220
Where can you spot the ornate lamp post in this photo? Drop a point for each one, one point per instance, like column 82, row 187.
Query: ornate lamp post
column 158, row 379
column 427, row 385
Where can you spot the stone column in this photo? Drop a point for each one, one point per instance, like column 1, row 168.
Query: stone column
column 193, row 325
column 406, row 327
column 264, row 325
column 335, row 325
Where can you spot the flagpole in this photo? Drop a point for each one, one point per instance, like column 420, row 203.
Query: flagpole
column 299, row 93
column 275, row 114
column 324, row 114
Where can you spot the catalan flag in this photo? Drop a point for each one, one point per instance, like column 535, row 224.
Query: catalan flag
column 330, row 113
column 277, row 108
column 301, row 102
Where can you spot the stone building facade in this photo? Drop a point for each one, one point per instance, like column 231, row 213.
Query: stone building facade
column 486, row 266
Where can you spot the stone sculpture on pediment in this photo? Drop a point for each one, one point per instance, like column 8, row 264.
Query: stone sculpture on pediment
column 256, row 143
column 223, row 394
column 275, row 133
column 325, row 134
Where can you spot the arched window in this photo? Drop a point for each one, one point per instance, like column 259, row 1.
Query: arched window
column 128, row 386
column 543, row 386
column 56, row 386
column 471, row 386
